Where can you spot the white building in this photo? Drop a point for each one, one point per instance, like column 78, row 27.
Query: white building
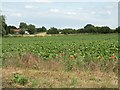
column 26, row 32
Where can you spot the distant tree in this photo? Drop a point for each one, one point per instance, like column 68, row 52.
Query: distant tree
column 105, row 29
column 98, row 29
column 9, row 28
column 22, row 31
column 117, row 30
column 42, row 29
column 68, row 31
column 89, row 28
column 53, row 30
column 12, row 31
column 23, row 25
column 38, row 29
column 112, row 31
column 89, row 25
column 80, row 30
column 31, row 29
column 60, row 30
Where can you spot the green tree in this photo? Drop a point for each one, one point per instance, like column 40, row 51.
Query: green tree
column 117, row 30
column 105, row 29
column 80, row 30
column 12, row 31
column 22, row 31
column 98, row 29
column 69, row 31
column 42, row 29
column 23, row 25
column 9, row 28
column 53, row 30
column 31, row 29
column 89, row 28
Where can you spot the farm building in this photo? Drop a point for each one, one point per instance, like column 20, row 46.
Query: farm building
column 26, row 32
column 17, row 31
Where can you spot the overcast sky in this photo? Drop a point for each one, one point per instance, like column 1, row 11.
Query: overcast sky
column 61, row 14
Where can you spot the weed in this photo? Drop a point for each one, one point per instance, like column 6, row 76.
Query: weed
column 17, row 78
column 73, row 82
column 68, row 65
column 34, row 83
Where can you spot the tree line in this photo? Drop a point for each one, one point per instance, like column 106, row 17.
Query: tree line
column 89, row 28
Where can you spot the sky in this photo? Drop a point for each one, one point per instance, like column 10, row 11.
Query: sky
column 49, row 13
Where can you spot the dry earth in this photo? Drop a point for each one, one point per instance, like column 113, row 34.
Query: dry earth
column 60, row 79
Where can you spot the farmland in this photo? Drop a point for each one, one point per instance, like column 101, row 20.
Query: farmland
column 67, row 55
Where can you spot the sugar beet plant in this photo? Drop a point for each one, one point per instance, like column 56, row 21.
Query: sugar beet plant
column 73, row 51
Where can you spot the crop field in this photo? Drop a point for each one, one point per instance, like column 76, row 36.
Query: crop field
column 67, row 61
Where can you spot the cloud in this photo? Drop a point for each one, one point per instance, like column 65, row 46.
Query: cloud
column 42, row 0
column 60, row 1
column 105, row 12
column 16, row 14
column 71, row 13
column 93, row 12
column 80, row 8
column 60, row 12
column 109, row 12
column 109, row 7
column 54, row 10
column 30, row 7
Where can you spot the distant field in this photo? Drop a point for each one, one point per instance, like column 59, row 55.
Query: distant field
column 86, row 53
